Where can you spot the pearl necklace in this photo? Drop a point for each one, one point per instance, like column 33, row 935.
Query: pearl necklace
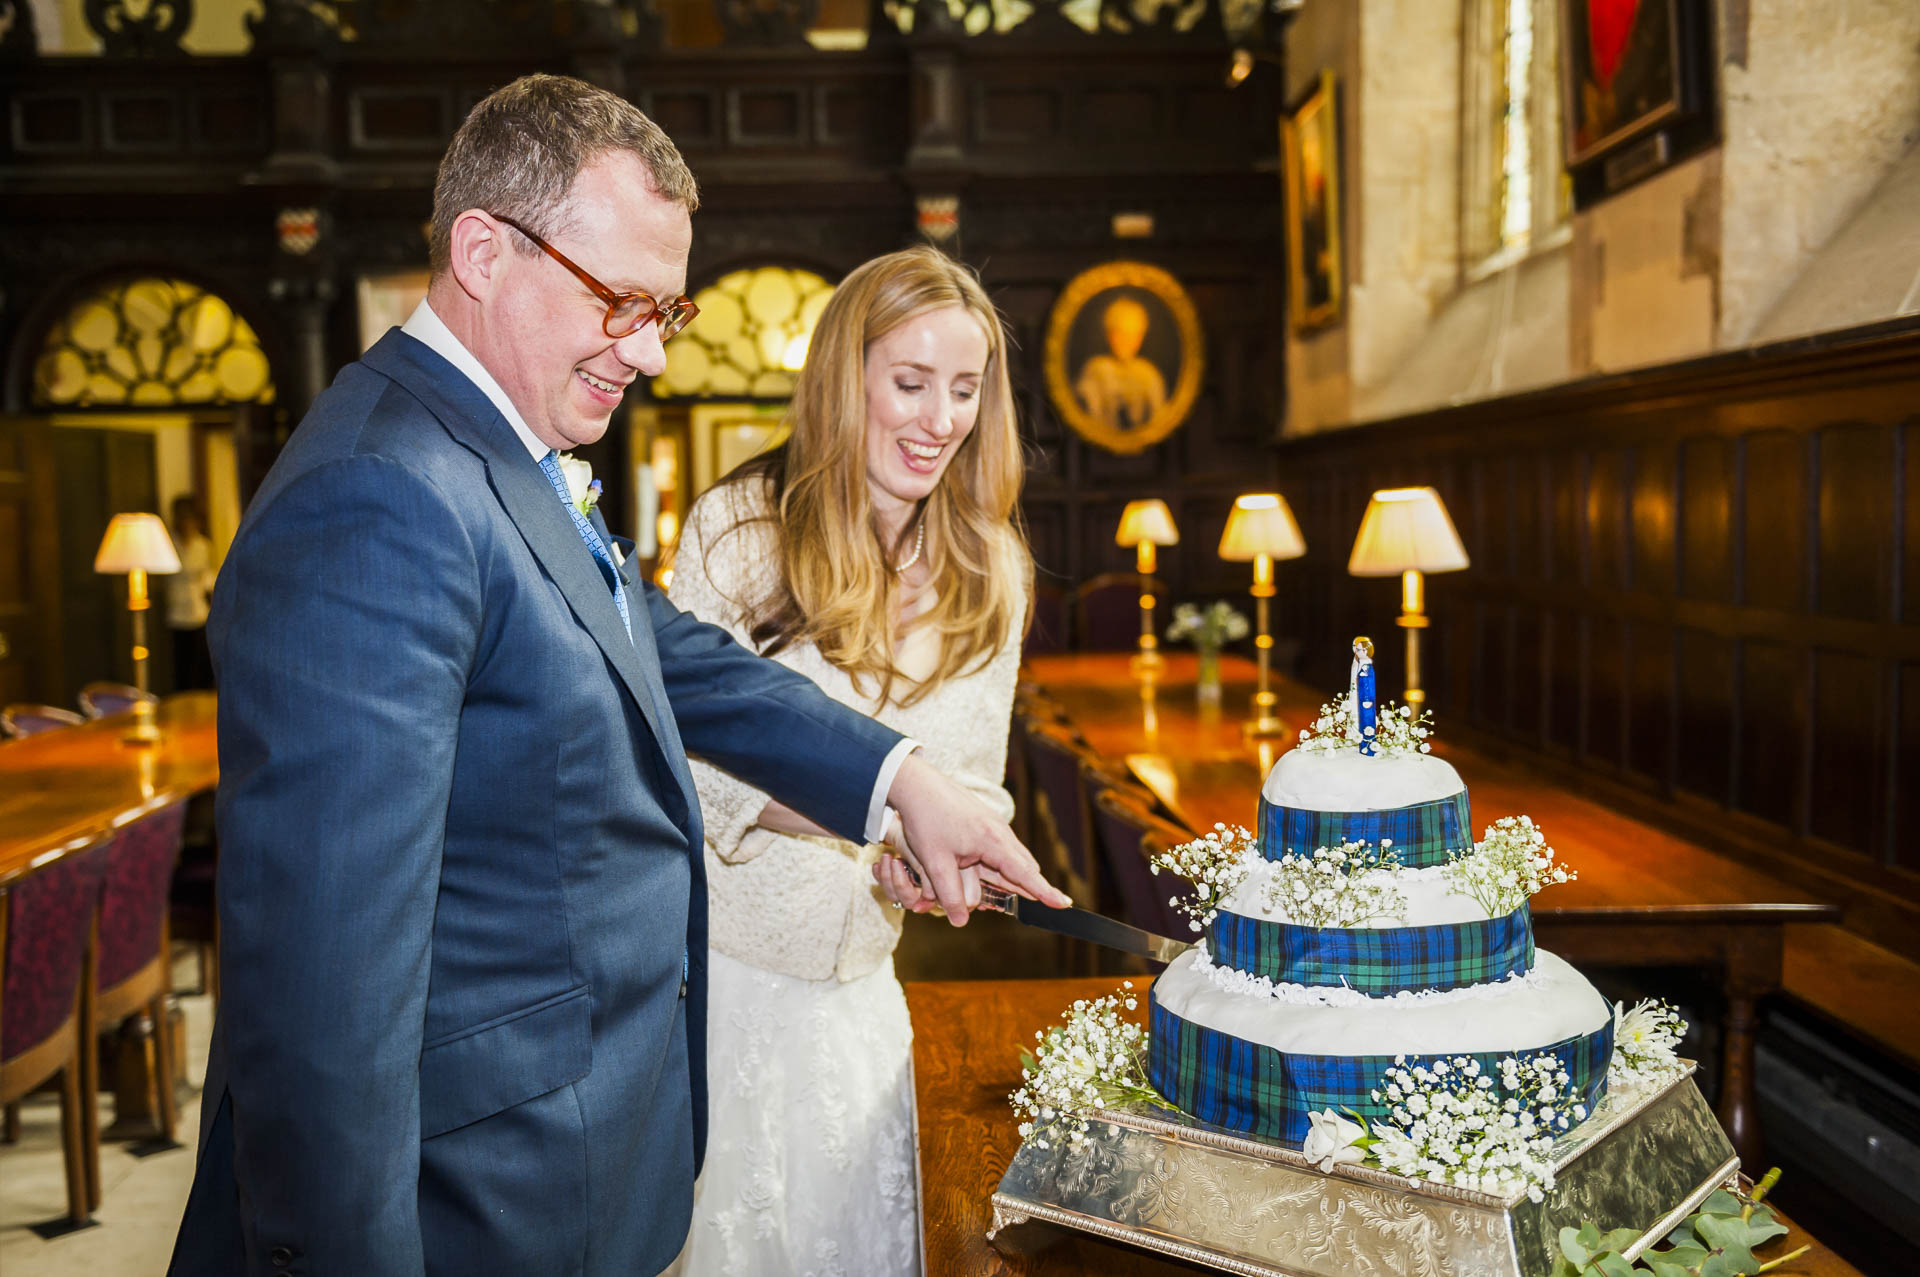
column 919, row 544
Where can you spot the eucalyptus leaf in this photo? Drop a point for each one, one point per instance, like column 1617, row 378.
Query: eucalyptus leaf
column 1619, row 1239
column 1575, row 1244
column 1683, row 1234
column 1613, row 1264
column 1664, row 1265
column 1764, row 1226
column 1721, row 1203
column 1728, row 1237
column 1687, row 1257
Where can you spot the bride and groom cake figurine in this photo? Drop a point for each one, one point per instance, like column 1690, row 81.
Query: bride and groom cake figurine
column 1367, row 983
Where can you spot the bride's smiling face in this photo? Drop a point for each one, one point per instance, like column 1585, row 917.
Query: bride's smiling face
column 923, row 394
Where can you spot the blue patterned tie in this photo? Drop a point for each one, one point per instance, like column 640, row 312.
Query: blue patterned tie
column 602, row 557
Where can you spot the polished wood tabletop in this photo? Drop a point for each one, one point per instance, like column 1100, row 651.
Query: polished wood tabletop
column 65, row 790
column 966, row 1061
column 1194, row 758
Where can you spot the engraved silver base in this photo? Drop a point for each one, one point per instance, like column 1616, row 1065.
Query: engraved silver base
column 1165, row 1182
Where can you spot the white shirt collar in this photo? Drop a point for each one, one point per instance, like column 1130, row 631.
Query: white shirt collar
column 431, row 331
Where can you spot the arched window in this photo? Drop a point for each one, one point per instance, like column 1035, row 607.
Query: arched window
column 1515, row 193
column 150, row 343
column 749, row 338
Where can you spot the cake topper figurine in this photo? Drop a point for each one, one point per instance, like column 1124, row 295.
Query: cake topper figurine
column 1360, row 683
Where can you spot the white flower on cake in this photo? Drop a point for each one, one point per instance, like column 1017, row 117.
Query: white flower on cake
column 1345, row 886
column 1452, row 1123
column 1645, row 1041
column 1215, row 864
column 1096, row 1060
column 1507, row 867
column 1398, row 731
column 1333, row 1141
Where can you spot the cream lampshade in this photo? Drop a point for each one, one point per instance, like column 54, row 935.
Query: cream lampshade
column 138, row 544
column 1145, row 525
column 1261, row 528
column 1406, row 532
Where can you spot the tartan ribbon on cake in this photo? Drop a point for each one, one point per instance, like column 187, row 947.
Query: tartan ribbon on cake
column 1422, row 834
column 1245, row 1086
column 1376, row 962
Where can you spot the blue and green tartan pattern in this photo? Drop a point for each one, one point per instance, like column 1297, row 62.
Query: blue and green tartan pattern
column 1423, row 834
column 1243, row 1086
column 1376, row 962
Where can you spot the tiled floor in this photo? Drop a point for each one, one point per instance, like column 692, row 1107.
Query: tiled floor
column 141, row 1197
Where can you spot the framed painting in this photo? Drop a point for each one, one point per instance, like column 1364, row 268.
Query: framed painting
column 1124, row 355
column 1310, row 143
column 1634, row 76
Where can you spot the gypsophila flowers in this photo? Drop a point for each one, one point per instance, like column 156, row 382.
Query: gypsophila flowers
column 1398, row 730
column 1096, row 1060
column 1350, row 885
column 1452, row 1122
column 1507, row 867
column 1215, row 864
column 1645, row 1041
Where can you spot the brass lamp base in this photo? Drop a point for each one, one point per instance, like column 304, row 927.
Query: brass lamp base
column 144, row 730
column 1147, row 662
column 1264, row 725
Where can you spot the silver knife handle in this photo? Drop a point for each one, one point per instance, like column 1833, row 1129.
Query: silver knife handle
column 998, row 899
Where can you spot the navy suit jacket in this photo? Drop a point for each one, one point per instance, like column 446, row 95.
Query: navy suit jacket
column 460, row 858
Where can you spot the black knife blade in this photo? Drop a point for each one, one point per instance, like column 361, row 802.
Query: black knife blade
column 1095, row 928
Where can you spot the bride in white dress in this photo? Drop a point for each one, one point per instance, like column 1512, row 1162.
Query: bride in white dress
column 876, row 551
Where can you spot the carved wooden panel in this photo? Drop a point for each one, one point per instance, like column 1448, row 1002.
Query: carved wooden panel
column 1712, row 606
column 50, row 123
column 400, row 118
column 137, row 121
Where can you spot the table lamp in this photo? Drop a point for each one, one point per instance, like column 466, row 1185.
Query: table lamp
column 1407, row 531
column 1145, row 525
column 1261, row 528
column 138, row 544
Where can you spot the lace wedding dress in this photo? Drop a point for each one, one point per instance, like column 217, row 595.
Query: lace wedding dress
column 810, row 1167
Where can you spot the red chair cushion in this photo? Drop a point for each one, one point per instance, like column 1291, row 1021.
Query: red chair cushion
column 134, row 904
column 49, row 915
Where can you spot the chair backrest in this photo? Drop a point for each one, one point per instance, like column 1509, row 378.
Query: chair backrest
column 1054, row 758
column 30, row 720
column 1048, row 631
column 101, row 699
column 1130, row 834
column 49, row 918
column 1106, row 610
column 133, row 902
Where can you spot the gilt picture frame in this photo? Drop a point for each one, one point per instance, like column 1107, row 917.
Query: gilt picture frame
column 1124, row 355
column 1310, row 147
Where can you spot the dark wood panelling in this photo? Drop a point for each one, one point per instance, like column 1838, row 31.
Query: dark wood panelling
column 767, row 117
column 690, row 116
column 1015, row 114
column 141, row 122
column 1707, row 607
column 400, row 119
column 1706, row 536
column 50, row 123
column 1856, row 516
column 1848, row 725
column 1774, row 520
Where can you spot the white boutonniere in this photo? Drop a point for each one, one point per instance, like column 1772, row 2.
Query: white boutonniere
column 583, row 490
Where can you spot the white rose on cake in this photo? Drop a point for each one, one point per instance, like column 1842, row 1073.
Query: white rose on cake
column 1332, row 1140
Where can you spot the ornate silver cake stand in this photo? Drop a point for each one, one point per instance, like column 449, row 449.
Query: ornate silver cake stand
column 1160, row 1180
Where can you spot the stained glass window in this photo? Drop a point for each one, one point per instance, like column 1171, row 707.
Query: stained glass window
column 151, row 343
column 749, row 338
column 1516, row 178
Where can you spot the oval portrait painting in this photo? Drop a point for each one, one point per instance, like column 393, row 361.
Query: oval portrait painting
column 1124, row 355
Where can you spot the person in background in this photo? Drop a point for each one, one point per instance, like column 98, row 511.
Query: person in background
column 189, row 592
column 876, row 552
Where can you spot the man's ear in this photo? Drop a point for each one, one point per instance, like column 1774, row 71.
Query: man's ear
column 479, row 253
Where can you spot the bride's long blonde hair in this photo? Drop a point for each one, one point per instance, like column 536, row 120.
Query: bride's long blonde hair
column 836, row 584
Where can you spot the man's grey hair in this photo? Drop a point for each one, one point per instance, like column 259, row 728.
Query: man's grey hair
column 522, row 146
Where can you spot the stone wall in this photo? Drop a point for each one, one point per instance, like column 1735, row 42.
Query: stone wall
column 1819, row 105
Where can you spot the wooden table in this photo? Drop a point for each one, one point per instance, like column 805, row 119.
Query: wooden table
column 1643, row 897
column 65, row 790
column 966, row 1061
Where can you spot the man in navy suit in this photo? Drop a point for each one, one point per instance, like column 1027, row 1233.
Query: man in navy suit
column 463, row 916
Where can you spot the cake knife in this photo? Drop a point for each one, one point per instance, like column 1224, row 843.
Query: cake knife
column 1095, row 928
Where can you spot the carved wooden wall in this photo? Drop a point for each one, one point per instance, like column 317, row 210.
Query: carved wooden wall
column 1692, row 588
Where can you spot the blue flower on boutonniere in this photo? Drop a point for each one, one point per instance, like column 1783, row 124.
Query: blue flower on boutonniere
column 583, row 490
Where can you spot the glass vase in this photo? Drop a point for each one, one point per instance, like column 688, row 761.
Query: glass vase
column 1208, row 683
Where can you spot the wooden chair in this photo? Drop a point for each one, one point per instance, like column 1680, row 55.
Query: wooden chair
column 134, row 962
column 1106, row 611
column 46, row 1004
column 1130, row 834
column 192, row 916
column 97, row 700
column 1047, row 631
column 31, row 720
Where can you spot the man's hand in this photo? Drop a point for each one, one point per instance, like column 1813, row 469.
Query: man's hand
column 954, row 837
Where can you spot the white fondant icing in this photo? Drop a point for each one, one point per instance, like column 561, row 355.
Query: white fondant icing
column 1247, row 985
column 1553, row 1003
column 1430, row 902
column 1347, row 780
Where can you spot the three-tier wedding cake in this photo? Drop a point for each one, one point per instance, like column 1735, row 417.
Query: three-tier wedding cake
column 1370, row 930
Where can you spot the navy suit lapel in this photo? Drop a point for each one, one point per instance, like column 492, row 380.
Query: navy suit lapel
column 528, row 497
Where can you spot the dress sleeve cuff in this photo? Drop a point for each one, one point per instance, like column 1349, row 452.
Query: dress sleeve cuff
column 877, row 806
